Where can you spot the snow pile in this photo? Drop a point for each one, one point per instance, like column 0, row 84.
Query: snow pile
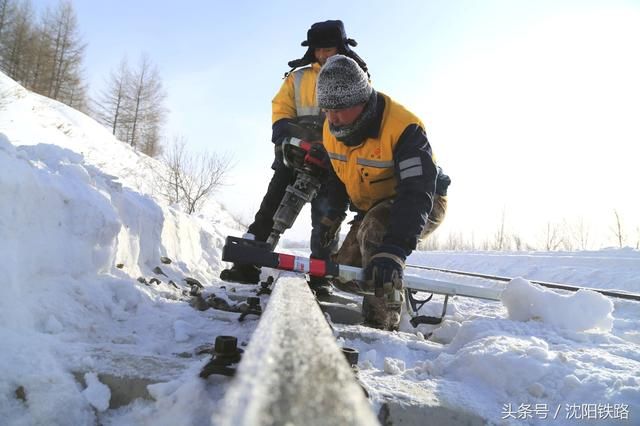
column 583, row 310
column 77, row 235
column 50, row 196
column 64, row 220
column 568, row 355
column 502, row 361
column 494, row 359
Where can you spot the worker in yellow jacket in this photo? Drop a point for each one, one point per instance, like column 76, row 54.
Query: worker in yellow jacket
column 296, row 102
column 384, row 168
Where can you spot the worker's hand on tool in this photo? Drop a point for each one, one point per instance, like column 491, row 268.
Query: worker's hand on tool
column 384, row 271
column 319, row 155
column 328, row 230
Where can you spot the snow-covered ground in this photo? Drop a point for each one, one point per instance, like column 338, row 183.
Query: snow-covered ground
column 80, row 227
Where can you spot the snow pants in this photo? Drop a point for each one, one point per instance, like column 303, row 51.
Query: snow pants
column 366, row 234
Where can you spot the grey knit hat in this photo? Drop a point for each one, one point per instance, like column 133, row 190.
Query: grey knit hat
column 342, row 84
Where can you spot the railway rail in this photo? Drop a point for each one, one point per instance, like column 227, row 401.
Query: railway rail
column 558, row 286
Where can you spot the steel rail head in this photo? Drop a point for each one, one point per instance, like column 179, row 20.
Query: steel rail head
column 292, row 371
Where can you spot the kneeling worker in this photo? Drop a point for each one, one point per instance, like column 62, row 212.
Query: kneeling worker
column 382, row 165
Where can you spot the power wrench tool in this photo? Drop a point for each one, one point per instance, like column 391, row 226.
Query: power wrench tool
column 305, row 154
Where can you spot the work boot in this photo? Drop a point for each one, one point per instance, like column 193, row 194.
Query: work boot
column 320, row 286
column 243, row 274
column 378, row 312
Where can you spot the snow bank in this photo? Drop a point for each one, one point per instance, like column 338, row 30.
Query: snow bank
column 49, row 196
column 580, row 311
column 76, row 233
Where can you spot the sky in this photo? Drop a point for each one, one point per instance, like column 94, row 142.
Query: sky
column 81, row 334
column 530, row 107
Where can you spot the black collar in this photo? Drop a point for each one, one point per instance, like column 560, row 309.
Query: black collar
column 373, row 131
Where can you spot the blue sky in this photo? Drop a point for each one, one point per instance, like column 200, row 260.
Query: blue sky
column 531, row 106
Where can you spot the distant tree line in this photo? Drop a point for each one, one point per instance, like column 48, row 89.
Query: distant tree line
column 553, row 236
column 44, row 54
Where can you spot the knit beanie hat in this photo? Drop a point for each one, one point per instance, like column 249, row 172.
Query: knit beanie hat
column 342, row 84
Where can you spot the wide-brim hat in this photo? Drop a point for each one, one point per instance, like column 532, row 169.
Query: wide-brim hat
column 327, row 34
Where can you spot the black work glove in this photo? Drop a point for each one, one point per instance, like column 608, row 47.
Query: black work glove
column 328, row 230
column 384, row 271
column 442, row 183
column 280, row 130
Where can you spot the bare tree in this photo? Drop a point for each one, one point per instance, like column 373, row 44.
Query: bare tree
column 16, row 38
column 552, row 237
column 7, row 11
column 112, row 106
column 150, row 143
column 66, row 50
column 499, row 238
column 132, row 106
column 190, row 180
column 455, row 241
column 472, row 242
column 518, row 243
column 579, row 234
column 36, row 59
column 147, row 110
column 7, row 17
column 76, row 94
column 618, row 230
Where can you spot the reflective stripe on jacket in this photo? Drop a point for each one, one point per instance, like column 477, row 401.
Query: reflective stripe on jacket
column 297, row 95
column 395, row 161
column 367, row 170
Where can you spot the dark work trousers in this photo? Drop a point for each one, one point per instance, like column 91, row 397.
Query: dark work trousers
column 263, row 221
column 319, row 209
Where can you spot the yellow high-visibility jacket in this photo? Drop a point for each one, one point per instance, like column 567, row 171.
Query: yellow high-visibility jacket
column 394, row 162
column 297, row 95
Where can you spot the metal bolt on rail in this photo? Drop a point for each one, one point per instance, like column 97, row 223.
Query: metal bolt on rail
column 225, row 354
column 251, row 308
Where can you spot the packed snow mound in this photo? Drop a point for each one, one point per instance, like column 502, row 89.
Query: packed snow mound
column 580, row 311
column 82, row 235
